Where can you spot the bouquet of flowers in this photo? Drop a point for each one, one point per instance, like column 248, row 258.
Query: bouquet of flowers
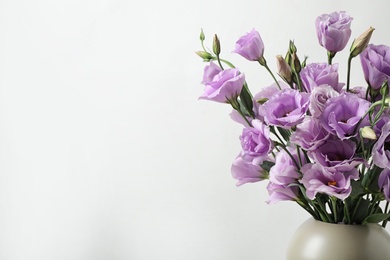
column 317, row 141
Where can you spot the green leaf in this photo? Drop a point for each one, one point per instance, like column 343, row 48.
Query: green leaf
column 357, row 189
column 284, row 133
column 376, row 218
column 361, row 211
column 266, row 165
column 246, row 100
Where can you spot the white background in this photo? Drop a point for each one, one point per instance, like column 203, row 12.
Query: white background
column 106, row 152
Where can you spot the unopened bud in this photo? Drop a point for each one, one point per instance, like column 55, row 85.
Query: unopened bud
column 205, row 55
column 292, row 48
column 216, row 45
column 304, row 61
column 261, row 101
column 368, row 133
column 361, row 42
column 295, row 63
column 284, row 70
column 201, row 36
column 287, row 58
column 384, row 89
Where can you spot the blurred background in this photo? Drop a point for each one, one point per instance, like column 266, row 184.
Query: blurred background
column 106, row 153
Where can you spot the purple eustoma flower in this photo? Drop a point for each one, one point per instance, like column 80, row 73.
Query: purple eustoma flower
column 384, row 183
column 256, row 142
column 247, row 172
column 336, row 154
column 250, row 46
column 359, row 91
column 375, row 61
column 286, row 108
column 316, row 74
column 381, row 149
column 264, row 95
column 309, row 134
column 209, row 72
column 285, row 170
column 318, row 179
column 318, row 98
column 333, row 30
column 224, row 87
column 342, row 114
column 279, row 193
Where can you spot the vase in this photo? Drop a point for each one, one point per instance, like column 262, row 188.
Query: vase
column 316, row 240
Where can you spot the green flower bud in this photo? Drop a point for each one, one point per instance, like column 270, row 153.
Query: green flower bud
column 202, row 37
column 261, row 101
column 384, row 89
column 361, row 42
column 205, row 55
column 216, row 45
column 295, row 63
column 304, row 61
column 368, row 133
column 292, row 48
column 284, row 70
column 387, row 101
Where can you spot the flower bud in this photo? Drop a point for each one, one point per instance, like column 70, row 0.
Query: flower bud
column 295, row 63
column 292, row 47
column 384, row 89
column 261, row 101
column 368, row 132
column 216, row 45
column 205, row 55
column 361, row 42
column 284, row 70
column 387, row 101
column 201, row 36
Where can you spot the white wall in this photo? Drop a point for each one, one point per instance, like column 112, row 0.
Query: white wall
column 105, row 151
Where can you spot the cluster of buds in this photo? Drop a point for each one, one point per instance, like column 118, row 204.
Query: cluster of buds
column 290, row 66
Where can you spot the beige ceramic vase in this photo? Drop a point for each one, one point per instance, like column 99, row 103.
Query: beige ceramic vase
column 316, row 240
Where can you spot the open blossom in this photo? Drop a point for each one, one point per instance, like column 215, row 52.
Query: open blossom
column 250, row 46
column 336, row 154
column 247, row 172
column 286, row 108
column 285, row 171
column 318, row 98
column 360, row 92
column 342, row 114
column 384, row 183
column 333, row 30
column 318, row 179
column 316, row 74
column 209, row 72
column 381, row 151
column 225, row 86
column 375, row 60
column 279, row 193
column 263, row 95
column 256, row 142
column 309, row 134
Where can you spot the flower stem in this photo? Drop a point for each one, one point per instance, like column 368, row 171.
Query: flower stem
column 264, row 64
column 307, row 208
column 330, row 57
column 334, row 207
column 384, row 223
column 227, row 63
column 236, row 106
column 349, row 72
